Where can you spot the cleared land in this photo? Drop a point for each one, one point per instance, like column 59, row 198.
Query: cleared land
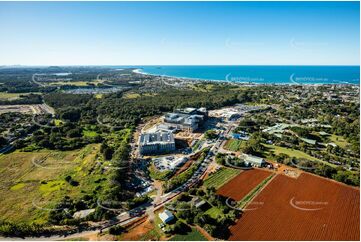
column 73, row 83
column 242, row 184
column 221, row 177
column 141, row 230
column 30, row 109
column 33, row 182
column 144, row 230
column 307, row 208
column 193, row 235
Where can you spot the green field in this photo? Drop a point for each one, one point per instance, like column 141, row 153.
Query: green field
column 14, row 96
column 294, row 153
column 339, row 140
column 131, row 95
column 214, row 212
column 31, row 183
column 243, row 203
column 89, row 133
column 9, row 96
column 220, row 177
column 233, row 144
column 194, row 235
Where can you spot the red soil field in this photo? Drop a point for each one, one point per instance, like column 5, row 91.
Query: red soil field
column 307, row 208
column 242, row 184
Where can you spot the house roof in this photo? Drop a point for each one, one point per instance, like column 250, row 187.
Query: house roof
column 166, row 216
column 198, row 202
column 254, row 159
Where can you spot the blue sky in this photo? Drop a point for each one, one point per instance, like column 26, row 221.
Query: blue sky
column 171, row 33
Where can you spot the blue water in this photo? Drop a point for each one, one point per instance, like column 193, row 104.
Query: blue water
column 263, row 74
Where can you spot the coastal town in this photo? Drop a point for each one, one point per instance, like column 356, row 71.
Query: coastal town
column 144, row 163
column 180, row 120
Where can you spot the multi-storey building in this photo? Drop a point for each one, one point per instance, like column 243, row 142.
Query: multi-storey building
column 156, row 143
column 188, row 119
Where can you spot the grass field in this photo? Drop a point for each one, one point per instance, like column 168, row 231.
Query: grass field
column 89, row 133
column 254, row 192
column 295, row 153
column 13, row 96
column 31, row 183
column 339, row 140
column 214, row 212
column 220, row 177
column 194, row 235
column 131, row 95
column 9, row 96
column 233, row 144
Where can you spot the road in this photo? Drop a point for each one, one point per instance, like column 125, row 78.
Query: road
column 35, row 81
column 127, row 217
column 6, row 149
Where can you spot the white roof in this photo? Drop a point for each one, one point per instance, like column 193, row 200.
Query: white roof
column 254, row 159
column 166, row 216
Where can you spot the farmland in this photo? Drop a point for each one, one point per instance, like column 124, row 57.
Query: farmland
column 221, row 177
column 242, row 184
column 307, row 208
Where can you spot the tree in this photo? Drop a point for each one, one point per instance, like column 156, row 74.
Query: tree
column 180, row 227
column 71, row 114
column 116, row 230
column 3, row 141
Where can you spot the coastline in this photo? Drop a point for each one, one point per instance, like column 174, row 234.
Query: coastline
column 189, row 79
column 140, row 72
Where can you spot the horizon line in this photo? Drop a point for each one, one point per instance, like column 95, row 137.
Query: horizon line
column 62, row 65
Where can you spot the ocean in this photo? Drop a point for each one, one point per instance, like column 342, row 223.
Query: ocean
column 262, row 74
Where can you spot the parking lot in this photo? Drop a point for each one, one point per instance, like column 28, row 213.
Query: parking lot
column 169, row 162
